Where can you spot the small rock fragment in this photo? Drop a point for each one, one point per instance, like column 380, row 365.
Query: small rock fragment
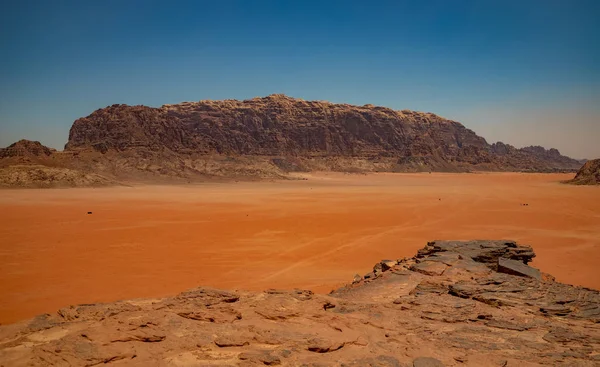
column 263, row 357
column 328, row 305
column 427, row 362
column 320, row 345
column 233, row 340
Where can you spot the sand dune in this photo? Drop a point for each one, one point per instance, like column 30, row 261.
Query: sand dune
column 316, row 234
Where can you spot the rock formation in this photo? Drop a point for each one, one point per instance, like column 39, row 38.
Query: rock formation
column 474, row 303
column 276, row 135
column 589, row 174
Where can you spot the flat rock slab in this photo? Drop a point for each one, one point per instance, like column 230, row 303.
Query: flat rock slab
column 430, row 267
column 448, row 258
column 515, row 267
column 385, row 288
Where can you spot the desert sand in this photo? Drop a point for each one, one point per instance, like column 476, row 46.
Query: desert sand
column 153, row 241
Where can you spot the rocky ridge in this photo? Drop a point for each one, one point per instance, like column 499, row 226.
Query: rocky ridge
column 456, row 303
column 588, row 174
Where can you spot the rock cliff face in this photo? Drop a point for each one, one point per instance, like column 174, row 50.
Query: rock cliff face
column 272, row 126
column 589, row 174
column 280, row 126
column 474, row 303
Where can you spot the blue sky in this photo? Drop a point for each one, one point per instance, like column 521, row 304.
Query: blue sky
column 524, row 72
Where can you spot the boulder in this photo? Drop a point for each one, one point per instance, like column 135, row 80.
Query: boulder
column 387, row 264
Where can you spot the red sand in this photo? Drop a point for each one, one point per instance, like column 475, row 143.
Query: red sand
column 152, row 241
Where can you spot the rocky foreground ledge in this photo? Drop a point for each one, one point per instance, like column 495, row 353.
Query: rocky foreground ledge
column 473, row 303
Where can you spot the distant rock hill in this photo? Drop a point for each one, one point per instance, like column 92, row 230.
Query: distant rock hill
column 30, row 164
column 27, row 149
column 589, row 174
column 274, row 135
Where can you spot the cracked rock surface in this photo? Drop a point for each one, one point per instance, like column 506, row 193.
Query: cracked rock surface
column 474, row 303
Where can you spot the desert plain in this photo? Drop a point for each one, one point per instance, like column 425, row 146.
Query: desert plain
column 313, row 233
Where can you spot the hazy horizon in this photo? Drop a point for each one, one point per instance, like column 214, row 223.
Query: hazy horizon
column 524, row 73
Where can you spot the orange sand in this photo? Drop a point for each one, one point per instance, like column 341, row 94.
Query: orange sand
column 158, row 240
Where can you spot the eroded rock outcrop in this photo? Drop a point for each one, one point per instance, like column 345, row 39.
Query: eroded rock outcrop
column 447, row 306
column 40, row 176
column 29, row 164
column 588, row 174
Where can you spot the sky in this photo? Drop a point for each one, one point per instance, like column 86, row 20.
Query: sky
column 523, row 72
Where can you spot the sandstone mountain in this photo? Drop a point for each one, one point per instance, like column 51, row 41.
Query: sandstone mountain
column 589, row 174
column 278, row 125
column 474, row 303
column 275, row 135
